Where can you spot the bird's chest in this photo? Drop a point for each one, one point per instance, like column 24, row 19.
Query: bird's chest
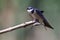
column 38, row 17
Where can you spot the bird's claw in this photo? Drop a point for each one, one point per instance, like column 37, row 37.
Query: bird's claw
column 36, row 24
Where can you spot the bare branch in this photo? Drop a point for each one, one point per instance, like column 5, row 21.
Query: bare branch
column 16, row 27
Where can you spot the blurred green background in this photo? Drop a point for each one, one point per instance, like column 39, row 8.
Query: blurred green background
column 13, row 12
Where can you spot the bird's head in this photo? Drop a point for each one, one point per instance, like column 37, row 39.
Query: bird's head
column 30, row 9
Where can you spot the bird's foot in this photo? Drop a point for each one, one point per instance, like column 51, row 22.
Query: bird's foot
column 36, row 24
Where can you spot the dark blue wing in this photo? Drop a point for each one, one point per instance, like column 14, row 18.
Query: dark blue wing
column 40, row 13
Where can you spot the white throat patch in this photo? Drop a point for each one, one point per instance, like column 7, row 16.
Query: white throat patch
column 30, row 10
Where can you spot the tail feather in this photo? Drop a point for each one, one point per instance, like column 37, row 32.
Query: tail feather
column 47, row 25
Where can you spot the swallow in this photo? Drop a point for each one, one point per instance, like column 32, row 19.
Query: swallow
column 38, row 16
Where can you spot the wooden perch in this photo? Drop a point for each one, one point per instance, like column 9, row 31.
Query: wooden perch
column 16, row 27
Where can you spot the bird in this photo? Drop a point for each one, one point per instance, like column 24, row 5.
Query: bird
column 38, row 16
